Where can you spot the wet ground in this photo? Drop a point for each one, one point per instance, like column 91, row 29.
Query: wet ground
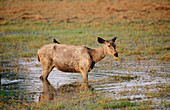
column 132, row 80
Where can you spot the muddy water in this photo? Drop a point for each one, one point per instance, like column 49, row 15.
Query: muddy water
column 126, row 79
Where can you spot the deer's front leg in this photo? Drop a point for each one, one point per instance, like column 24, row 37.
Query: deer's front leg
column 84, row 84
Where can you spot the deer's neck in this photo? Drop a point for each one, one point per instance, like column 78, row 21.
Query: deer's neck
column 98, row 54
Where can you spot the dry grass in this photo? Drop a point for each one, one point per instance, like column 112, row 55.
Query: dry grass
column 84, row 11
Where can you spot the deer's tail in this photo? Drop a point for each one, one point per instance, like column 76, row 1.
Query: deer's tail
column 38, row 58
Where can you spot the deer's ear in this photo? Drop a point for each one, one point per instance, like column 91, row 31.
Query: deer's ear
column 100, row 40
column 114, row 39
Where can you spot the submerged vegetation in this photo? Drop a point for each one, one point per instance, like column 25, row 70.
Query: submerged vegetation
column 144, row 35
column 136, row 89
column 85, row 101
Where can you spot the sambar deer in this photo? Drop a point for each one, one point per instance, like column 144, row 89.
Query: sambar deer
column 68, row 58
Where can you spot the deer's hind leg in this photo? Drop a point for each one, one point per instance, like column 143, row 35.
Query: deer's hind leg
column 47, row 66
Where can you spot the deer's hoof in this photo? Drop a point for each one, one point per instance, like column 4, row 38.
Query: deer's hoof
column 85, row 86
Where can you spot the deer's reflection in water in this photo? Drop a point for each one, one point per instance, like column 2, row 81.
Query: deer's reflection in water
column 65, row 92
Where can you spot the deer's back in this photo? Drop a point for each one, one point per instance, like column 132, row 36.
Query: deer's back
column 65, row 57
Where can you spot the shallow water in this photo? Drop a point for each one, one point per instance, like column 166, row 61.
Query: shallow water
column 112, row 78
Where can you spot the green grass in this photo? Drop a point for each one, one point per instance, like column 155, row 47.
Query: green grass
column 135, row 39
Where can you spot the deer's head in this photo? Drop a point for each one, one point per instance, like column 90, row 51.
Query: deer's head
column 110, row 46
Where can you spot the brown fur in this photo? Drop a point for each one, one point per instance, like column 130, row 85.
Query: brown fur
column 68, row 58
